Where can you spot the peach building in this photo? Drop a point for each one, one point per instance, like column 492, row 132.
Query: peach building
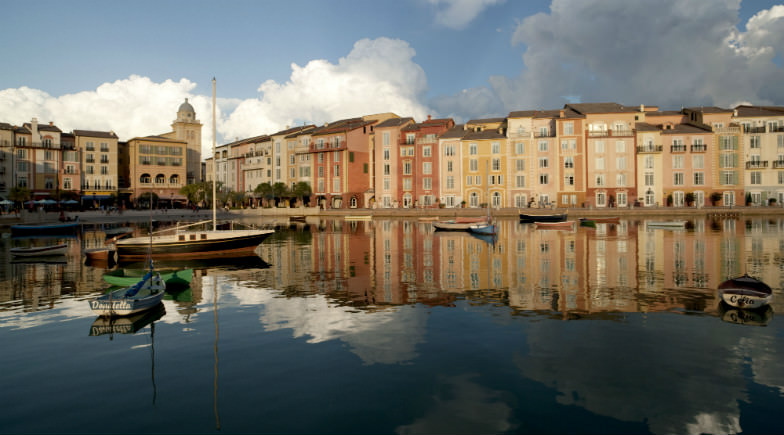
column 451, row 169
column 423, row 137
column 389, row 144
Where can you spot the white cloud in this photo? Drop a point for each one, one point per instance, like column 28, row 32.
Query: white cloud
column 377, row 76
column 669, row 53
column 457, row 14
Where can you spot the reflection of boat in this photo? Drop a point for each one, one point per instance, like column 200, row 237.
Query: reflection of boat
column 227, row 262
column 600, row 220
column 568, row 225
column 50, row 259
column 528, row 218
column 40, row 251
column 758, row 317
column 665, row 225
column 45, row 229
column 98, row 254
column 128, row 324
column 299, row 218
column 358, row 218
column 125, row 277
column 489, row 238
column 745, row 292
column 484, row 229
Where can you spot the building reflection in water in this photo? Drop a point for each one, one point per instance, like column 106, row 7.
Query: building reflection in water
column 623, row 267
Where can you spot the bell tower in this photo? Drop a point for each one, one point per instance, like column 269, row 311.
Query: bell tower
column 188, row 129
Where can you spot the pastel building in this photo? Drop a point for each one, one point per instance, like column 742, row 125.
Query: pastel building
column 187, row 128
column 763, row 152
column 37, row 158
column 99, row 155
column 483, row 163
column 450, row 167
column 391, row 148
column 420, row 184
column 156, row 166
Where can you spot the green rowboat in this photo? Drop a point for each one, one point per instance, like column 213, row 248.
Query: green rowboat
column 126, row 277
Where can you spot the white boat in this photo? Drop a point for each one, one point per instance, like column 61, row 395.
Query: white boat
column 185, row 243
column 40, row 251
column 145, row 294
column 667, row 224
column 745, row 292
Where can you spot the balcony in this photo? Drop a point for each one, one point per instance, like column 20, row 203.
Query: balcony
column 757, row 164
column 599, row 133
column 775, row 128
column 699, row 148
column 778, row 164
column 726, row 130
column 540, row 133
column 679, row 148
column 651, row 148
column 753, row 129
column 427, row 140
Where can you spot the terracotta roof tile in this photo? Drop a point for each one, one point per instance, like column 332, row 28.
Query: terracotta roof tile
column 99, row 134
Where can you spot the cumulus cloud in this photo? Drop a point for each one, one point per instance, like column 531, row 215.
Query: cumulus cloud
column 378, row 75
column 669, row 53
column 457, row 14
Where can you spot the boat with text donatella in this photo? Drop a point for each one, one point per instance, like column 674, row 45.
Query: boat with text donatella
column 745, row 292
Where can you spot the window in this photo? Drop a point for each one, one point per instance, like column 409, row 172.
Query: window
column 496, row 148
column 407, row 184
column 620, row 163
column 449, row 150
column 542, row 145
column 520, row 181
column 473, row 165
column 621, row 199
column 426, row 151
column 620, row 146
column 496, row 164
column 599, row 146
column 472, row 149
column 543, row 162
column 450, row 182
column 407, row 167
column 568, row 128
column 569, row 162
column 698, row 162
column 385, row 139
column 569, row 180
column 520, row 164
column 387, row 169
column 600, row 180
column 677, row 178
column 387, row 183
column 600, row 163
column 427, row 168
column 754, row 142
column 699, row 178
column 649, row 178
column 520, row 147
column 756, row 177
column 620, row 180
column 601, row 199
column 543, row 179
column 336, row 172
column 449, row 166
column 677, row 162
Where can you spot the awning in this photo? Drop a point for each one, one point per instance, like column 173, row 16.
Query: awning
column 95, row 197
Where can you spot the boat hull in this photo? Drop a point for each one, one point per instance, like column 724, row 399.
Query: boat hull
column 452, row 226
column 118, row 303
column 745, row 292
column 43, row 251
column 177, row 278
column 41, row 230
column 484, row 229
column 191, row 245
column 555, row 225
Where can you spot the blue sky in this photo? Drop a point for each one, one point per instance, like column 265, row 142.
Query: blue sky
column 126, row 66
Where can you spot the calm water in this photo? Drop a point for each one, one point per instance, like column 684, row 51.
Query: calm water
column 389, row 327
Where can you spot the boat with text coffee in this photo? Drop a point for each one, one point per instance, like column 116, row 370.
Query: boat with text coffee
column 40, row 251
column 45, row 229
column 745, row 292
column 529, row 218
column 567, row 225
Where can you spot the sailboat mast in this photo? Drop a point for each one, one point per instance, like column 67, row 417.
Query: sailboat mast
column 214, row 161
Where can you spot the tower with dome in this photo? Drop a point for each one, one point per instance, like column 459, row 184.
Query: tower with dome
column 187, row 128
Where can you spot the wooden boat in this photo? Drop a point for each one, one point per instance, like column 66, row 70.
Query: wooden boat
column 483, row 228
column 40, row 251
column 568, row 225
column 298, row 218
column 98, row 254
column 458, row 224
column 745, row 292
column 666, row 225
column 126, row 277
column 529, row 218
column 45, row 229
column 145, row 294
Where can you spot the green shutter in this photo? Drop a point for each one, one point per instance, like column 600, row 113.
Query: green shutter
column 365, row 168
column 351, row 156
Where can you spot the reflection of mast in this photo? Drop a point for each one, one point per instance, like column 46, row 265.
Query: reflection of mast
column 152, row 354
column 215, row 383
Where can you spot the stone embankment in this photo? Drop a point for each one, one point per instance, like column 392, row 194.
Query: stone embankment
column 284, row 214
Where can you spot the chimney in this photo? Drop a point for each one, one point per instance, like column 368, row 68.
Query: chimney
column 642, row 107
column 561, row 113
column 51, row 123
column 428, row 117
column 34, row 130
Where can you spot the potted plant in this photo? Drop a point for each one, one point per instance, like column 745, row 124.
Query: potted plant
column 715, row 197
column 689, row 198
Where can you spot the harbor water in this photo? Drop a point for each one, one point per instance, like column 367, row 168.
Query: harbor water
column 387, row 326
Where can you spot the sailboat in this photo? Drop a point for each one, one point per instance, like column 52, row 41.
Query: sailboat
column 485, row 228
column 145, row 294
column 183, row 242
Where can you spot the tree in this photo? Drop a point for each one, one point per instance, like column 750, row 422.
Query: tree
column 280, row 190
column 302, row 190
column 264, row 190
column 19, row 194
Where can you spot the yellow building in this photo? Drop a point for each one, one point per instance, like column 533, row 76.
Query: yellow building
column 484, row 162
column 187, row 128
column 157, row 165
column 98, row 153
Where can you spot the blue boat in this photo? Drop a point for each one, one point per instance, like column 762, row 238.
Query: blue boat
column 145, row 294
column 65, row 228
column 485, row 229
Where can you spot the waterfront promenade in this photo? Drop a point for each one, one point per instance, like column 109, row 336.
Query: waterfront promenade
column 278, row 215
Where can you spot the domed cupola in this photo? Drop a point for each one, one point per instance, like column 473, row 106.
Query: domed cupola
column 186, row 112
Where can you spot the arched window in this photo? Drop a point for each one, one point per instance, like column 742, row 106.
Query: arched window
column 145, row 179
column 174, row 180
column 353, row 202
column 160, row 179
column 496, row 200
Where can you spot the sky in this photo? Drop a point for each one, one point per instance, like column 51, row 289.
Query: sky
column 127, row 66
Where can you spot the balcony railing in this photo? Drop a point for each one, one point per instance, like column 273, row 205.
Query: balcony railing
column 699, row 148
column 649, row 148
column 778, row 164
column 427, row 140
column 726, row 130
column 540, row 133
column 775, row 128
column 599, row 133
column 757, row 164
column 678, row 148
column 754, row 129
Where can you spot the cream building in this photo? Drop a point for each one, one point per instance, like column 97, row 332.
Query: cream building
column 187, row 128
column 97, row 152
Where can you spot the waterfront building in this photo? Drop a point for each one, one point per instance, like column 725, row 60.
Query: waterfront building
column 686, row 164
column 450, row 167
column 763, row 148
column 520, row 153
column 610, row 152
column 6, row 159
column 303, row 165
column 537, row 171
column 483, row 164
column 253, row 164
column 390, row 150
column 422, row 138
column 294, row 146
column 282, row 154
column 649, row 164
column 187, row 128
column 341, row 163
column 571, row 163
column 70, row 172
column 98, row 156
column 156, row 165
column 37, row 155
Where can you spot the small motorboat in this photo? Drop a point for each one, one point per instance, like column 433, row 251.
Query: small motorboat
column 145, row 294
column 483, row 228
column 567, row 225
column 459, row 224
column 745, row 292
column 40, row 251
